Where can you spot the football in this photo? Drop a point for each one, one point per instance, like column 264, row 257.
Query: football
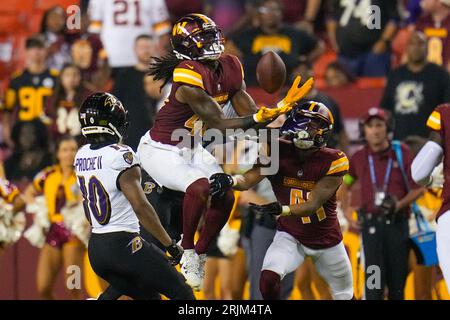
column 271, row 72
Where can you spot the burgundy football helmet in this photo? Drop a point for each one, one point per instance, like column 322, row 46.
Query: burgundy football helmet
column 196, row 37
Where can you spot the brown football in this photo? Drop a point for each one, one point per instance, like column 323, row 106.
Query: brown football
column 271, row 72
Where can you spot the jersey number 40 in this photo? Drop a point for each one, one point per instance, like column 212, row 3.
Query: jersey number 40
column 95, row 200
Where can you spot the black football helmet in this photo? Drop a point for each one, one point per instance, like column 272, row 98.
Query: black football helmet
column 197, row 37
column 103, row 114
column 308, row 125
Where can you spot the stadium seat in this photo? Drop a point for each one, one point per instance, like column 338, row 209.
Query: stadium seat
column 321, row 64
column 17, row 6
column 365, row 83
column 47, row 4
column 11, row 23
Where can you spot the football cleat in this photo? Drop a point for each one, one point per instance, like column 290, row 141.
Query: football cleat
column 190, row 266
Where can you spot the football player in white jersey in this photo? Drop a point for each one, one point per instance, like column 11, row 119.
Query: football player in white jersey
column 109, row 177
column 120, row 22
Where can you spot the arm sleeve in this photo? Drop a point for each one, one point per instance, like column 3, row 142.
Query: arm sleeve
column 425, row 161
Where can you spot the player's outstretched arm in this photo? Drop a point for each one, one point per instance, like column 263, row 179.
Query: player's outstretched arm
column 427, row 159
column 220, row 183
column 243, row 103
column 130, row 185
column 210, row 112
column 324, row 189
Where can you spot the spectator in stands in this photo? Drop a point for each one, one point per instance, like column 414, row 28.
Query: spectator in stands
column 337, row 76
column 30, row 153
column 62, row 106
column 384, row 208
column 120, row 22
column 272, row 35
column 308, row 15
column 129, row 88
column 53, row 31
column 230, row 15
column 339, row 138
column 363, row 47
column 29, row 88
column 180, row 8
column 88, row 54
column 435, row 24
column 155, row 93
column 414, row 89
column 58, row 184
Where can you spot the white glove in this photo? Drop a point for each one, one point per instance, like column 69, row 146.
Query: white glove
column 228, row 240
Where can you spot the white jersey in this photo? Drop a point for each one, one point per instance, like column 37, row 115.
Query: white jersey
column 98, row 171
column 120, row 22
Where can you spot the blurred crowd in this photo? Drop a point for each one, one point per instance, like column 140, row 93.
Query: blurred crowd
column 405, row 46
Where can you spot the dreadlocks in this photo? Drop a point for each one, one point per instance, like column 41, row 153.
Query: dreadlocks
column 162, row 68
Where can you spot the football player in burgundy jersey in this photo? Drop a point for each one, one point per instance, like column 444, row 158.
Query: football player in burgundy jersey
column 204, row 80
column 305, row 185
column 422, row 170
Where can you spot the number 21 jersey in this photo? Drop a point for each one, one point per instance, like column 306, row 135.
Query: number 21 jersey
column 98, row 172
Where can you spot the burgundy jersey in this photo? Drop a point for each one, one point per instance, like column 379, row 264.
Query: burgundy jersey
column 220, row 84
column 438, row 39
column 439, row 121
column 293, row 183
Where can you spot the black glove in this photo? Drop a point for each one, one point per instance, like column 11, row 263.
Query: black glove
column 388, row 206
column 274, row 208
column 219, row 184
column 176, row 252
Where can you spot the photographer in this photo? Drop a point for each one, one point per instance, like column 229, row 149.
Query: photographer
column 384, row 207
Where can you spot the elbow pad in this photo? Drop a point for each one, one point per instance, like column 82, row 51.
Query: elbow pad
column 429, row 157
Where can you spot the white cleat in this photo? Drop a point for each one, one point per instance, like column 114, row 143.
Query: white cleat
column 201, row 267
column 190, row 265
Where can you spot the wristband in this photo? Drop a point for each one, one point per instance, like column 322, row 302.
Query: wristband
column 255, row 118
column 237, row 178
column 285, row 210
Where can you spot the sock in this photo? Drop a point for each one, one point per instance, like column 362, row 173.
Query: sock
column 270, row 285
column 215, row 218
column 194, row 204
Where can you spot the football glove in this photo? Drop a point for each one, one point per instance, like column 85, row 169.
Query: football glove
column 176, row 252
column 294, row 94
column 219, row 184
column 273, row 208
